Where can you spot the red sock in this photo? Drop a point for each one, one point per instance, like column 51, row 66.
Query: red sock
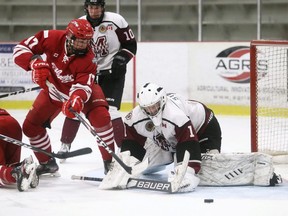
column 69, row 130
column 101, row 121
column 5, row 175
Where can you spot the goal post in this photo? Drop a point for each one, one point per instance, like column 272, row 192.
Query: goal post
column 268, row 96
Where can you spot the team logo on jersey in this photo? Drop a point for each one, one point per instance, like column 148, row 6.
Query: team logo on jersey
column 149, row 126
column 63, row 78
column 102, row 29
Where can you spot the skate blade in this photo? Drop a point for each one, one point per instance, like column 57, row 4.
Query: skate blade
column 62, row 161
column 50, row 175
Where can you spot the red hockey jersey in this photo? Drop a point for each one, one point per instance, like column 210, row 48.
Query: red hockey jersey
column 68, row 73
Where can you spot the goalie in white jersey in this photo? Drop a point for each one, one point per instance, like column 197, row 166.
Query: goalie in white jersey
column 163, row 125
column 174, row 125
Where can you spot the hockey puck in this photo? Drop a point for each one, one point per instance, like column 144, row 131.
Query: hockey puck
column 208, row 200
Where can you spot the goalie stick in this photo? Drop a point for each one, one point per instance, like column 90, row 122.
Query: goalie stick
column 20, row 91
column 65, row 155
column 143, row 184
column 128, row 169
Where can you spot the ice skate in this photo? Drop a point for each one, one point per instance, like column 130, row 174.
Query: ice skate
column 25, row 174
column 64, row 148
column 50, row 167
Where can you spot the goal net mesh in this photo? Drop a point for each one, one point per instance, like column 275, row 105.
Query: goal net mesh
column 269, row 99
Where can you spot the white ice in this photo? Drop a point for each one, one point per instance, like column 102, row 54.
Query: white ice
column 61, row 196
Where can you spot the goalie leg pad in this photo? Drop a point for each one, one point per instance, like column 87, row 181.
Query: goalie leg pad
column 237, row 169
column 183, row 178
column 117, row 177
column 189, row 182
column 227, row 169
column 264, row 169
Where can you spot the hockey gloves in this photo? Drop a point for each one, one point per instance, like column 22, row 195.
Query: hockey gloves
column 183, row 178
column 75, row 103
column 182, row 181
column 40, row 72
column 119, row 65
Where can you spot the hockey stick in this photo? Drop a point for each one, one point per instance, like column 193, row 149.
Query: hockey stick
column 20, row 92
column 65, row 155
column 143, row 184
column 128, row 169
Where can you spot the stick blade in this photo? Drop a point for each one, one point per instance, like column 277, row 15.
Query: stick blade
column 75, row 153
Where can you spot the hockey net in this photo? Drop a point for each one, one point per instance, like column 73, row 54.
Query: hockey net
column 269, row 98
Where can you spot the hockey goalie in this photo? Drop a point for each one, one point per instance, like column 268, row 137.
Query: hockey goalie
column 223, row 169
column 164, row 129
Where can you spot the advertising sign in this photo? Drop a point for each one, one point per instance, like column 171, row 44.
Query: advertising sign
column 12, row 77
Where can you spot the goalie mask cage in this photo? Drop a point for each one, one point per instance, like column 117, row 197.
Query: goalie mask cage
column 268, row 96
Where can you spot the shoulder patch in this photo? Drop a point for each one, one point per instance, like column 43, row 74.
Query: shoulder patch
column 129, row 116
column 149, row 126
column 102, row 28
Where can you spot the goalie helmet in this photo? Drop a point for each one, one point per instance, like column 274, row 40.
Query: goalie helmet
column 152, row 99
column 79, row 32
column 94, row 21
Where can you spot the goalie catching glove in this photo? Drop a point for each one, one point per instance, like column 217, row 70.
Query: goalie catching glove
column 75, row 103
column 40, row 72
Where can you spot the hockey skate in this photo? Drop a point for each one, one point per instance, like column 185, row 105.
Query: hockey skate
column 64, row 148
column 50, row 167
column 25, row 174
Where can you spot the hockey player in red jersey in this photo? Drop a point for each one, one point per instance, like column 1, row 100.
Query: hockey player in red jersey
column 115, row 45
column 11, row 169
column 70, row 67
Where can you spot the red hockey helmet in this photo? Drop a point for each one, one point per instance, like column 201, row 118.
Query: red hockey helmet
column 79, row 35
column 80, row 28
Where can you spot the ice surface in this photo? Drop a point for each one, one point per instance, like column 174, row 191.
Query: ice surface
column 61, row 196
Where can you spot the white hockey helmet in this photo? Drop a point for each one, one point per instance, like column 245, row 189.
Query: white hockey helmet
column 152, row 99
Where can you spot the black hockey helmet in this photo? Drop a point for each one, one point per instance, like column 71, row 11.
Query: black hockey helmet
column 95, row 2
column 94, row 22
